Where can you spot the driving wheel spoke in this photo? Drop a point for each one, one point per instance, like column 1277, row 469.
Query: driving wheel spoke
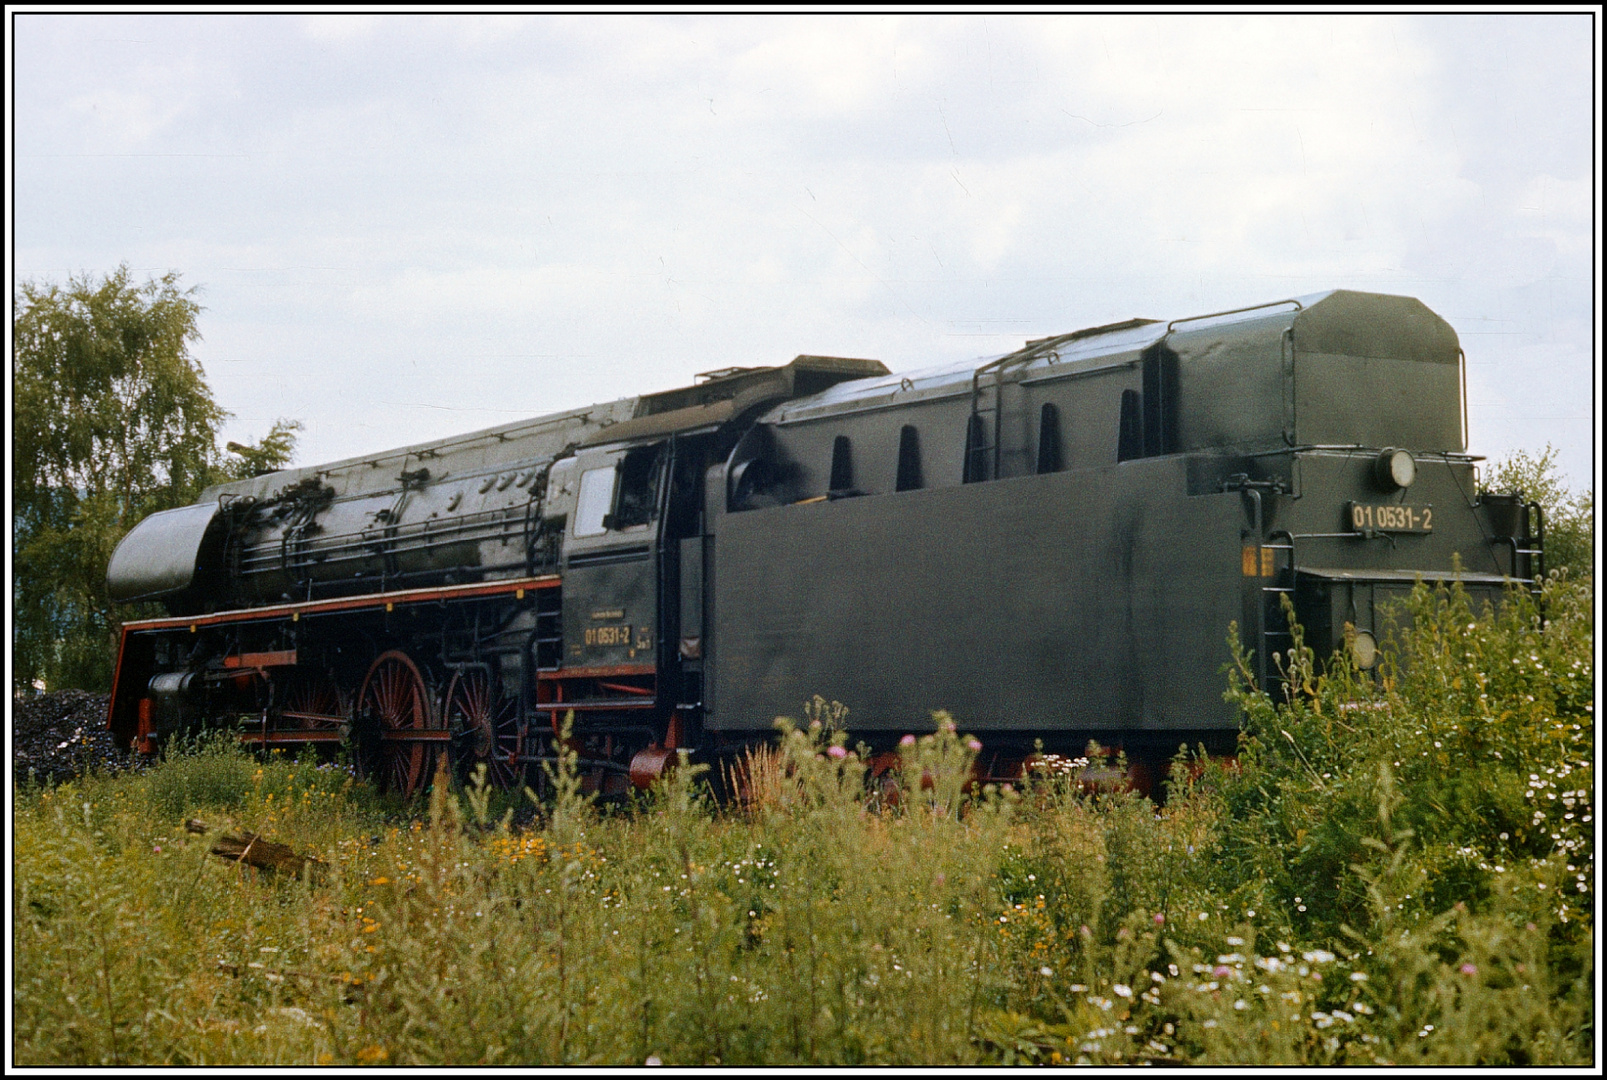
column 396, row 695
column 487, row 724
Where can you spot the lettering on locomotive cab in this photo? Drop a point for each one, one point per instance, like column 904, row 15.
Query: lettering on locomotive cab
column 608, row 635
column 1391, row 517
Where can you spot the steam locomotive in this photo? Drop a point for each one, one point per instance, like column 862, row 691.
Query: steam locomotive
column 1050, row 544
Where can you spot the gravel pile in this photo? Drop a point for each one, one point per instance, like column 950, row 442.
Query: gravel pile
column 62, row 735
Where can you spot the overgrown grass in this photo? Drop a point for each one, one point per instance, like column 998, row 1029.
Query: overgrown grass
column 1395, row 870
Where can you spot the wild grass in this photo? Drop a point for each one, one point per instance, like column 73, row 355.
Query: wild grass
column 1397, row 869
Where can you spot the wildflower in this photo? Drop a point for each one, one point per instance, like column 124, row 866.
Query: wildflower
column 1045, row 972
column 1122, row 990
column 653, row 1059
column 908, row 740
column 1468, row 969
column 1221, row 971
column 837, row 752
column 974, row 746
column 1159, row 918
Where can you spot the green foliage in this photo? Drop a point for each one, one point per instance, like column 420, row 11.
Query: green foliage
column 1475, row 746
column 112, row 421
column 1396, row 869
column 1570, row 517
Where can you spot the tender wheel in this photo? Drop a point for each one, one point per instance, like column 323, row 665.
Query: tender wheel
column 486, row 725
column 410, row 739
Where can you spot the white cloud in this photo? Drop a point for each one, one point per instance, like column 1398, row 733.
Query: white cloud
column 601, row 206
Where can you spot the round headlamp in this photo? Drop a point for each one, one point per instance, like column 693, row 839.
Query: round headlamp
column 1364, row 650
column 1394, row 469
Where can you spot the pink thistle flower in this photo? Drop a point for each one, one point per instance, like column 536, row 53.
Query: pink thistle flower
column 973, row 746
column 837, row 752
column 1221, row 971
column 1469, row 969
column 908, row 740
column 1159, row 919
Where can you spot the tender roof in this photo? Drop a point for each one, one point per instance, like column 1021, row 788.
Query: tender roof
column 1088, row 350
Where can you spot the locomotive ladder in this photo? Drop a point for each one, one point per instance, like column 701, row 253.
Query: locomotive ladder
column 549, row 635
column 978, row 447
column 1270, row 595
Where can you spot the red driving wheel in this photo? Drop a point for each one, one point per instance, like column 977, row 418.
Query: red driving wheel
column 489, row 723
column 394, row 693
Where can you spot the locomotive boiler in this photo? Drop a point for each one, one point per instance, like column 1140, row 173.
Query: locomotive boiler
column 1050, row 544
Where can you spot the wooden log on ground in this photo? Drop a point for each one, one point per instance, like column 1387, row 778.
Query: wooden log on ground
column 253, row 850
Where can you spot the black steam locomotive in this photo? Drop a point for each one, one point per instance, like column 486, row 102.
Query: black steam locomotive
column 1050, row 544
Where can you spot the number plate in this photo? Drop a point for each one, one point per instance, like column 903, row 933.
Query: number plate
column 1388, row 517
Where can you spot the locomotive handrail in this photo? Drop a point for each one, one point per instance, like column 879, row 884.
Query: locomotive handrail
column 1539, row 537
column 400, row 539
column 1290, row 435
column 1462, row 370
column 464, row 522
column 1235, row 311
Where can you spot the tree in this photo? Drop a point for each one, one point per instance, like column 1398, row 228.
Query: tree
column 112, row 420
column 1570, row 517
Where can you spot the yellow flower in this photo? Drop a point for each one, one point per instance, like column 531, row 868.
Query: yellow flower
column 369, row 1055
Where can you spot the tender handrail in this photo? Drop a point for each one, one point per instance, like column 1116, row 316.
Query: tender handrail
column 1234, row 311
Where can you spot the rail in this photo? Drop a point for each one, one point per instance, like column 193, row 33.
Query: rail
column 1234, row 311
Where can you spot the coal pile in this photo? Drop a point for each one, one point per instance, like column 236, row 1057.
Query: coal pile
column 63, row 735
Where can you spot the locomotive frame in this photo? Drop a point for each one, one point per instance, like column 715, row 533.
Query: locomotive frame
column 1050, row 544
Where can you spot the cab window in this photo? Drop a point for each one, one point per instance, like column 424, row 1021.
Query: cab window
column 596, row 495
column 638, row 486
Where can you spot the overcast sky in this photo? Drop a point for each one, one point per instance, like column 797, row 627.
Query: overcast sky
column 406, row 227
